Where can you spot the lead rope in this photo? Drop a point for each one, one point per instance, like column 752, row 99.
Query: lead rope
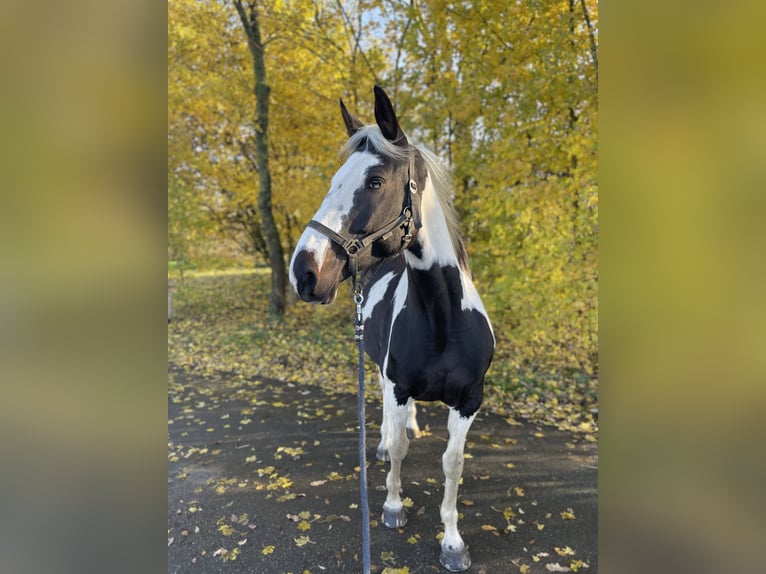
column 359, row 338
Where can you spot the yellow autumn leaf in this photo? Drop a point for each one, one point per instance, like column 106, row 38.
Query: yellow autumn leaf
column 231, row 555
column 302, row 541
column 267, row 550
column 303, row 525
column 575, row 565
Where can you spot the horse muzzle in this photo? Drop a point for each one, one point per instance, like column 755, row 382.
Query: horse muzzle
column 311, row 285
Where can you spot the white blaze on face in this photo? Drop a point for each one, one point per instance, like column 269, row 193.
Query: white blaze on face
column 335, row 207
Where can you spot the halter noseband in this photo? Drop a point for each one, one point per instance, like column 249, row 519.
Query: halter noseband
column 355, row 244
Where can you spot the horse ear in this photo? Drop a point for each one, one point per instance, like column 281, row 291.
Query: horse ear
column 386, row 118
column 352, row 122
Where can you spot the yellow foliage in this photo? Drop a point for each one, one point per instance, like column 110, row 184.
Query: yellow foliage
column 504, row 92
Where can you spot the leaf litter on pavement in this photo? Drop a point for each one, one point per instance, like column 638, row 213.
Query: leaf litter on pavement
column 229, row 357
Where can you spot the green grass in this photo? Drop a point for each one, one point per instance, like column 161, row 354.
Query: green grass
column 221, row 324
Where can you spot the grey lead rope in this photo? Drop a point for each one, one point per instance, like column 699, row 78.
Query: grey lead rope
column 359, row 337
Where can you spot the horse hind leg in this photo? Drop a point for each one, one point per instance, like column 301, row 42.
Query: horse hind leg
column 382, row 452
column 394, row 514
column 454, row 553
column 413, row 430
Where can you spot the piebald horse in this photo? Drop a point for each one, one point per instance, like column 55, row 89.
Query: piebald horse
column 388, row 219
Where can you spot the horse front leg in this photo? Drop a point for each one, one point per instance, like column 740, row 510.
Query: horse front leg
column 454, row 553
column 395, row 416
column 413, row 430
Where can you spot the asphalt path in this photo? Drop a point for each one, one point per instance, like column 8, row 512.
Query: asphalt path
column 263, row 478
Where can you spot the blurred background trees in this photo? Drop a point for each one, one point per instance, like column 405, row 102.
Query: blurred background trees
column 505, row 92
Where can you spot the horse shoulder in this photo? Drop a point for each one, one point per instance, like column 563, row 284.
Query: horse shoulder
column 380, row 308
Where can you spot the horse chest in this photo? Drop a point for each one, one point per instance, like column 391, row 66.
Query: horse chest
column 457, row 352
column 429, row 346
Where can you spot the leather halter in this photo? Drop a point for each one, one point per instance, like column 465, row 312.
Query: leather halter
column 355, row 244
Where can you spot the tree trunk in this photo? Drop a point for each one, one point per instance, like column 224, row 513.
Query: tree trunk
column 271, row 233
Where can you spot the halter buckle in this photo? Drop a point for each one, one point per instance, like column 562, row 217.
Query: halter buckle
column 413, row 186
column 407, row 213
column 352, row 246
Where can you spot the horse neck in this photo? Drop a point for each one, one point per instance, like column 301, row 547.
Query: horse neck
column 442, row 283
column 435, row 274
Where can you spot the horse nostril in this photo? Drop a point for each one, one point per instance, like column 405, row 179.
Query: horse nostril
column 307, row 283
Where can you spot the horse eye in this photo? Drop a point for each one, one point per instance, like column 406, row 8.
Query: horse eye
column 375, row 183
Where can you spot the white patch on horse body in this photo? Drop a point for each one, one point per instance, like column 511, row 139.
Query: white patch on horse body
column 400, row 299
column 335, row 207
column 471, row 299
column 434, row 237
column 376, row 294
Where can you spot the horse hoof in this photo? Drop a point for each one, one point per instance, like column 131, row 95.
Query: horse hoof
column 394, row 518
column 413, row 433
column 455, row 560
column 382, row 454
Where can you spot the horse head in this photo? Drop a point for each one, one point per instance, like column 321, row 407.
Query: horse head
column 370, row 213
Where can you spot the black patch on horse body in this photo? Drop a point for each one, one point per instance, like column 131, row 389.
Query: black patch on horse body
column 438, row 351
column 417, row 250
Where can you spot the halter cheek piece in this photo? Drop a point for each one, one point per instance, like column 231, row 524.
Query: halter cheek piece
column 355, row 244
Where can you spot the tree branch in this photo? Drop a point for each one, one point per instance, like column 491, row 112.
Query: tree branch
column 356, row 34
column 593, row 46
